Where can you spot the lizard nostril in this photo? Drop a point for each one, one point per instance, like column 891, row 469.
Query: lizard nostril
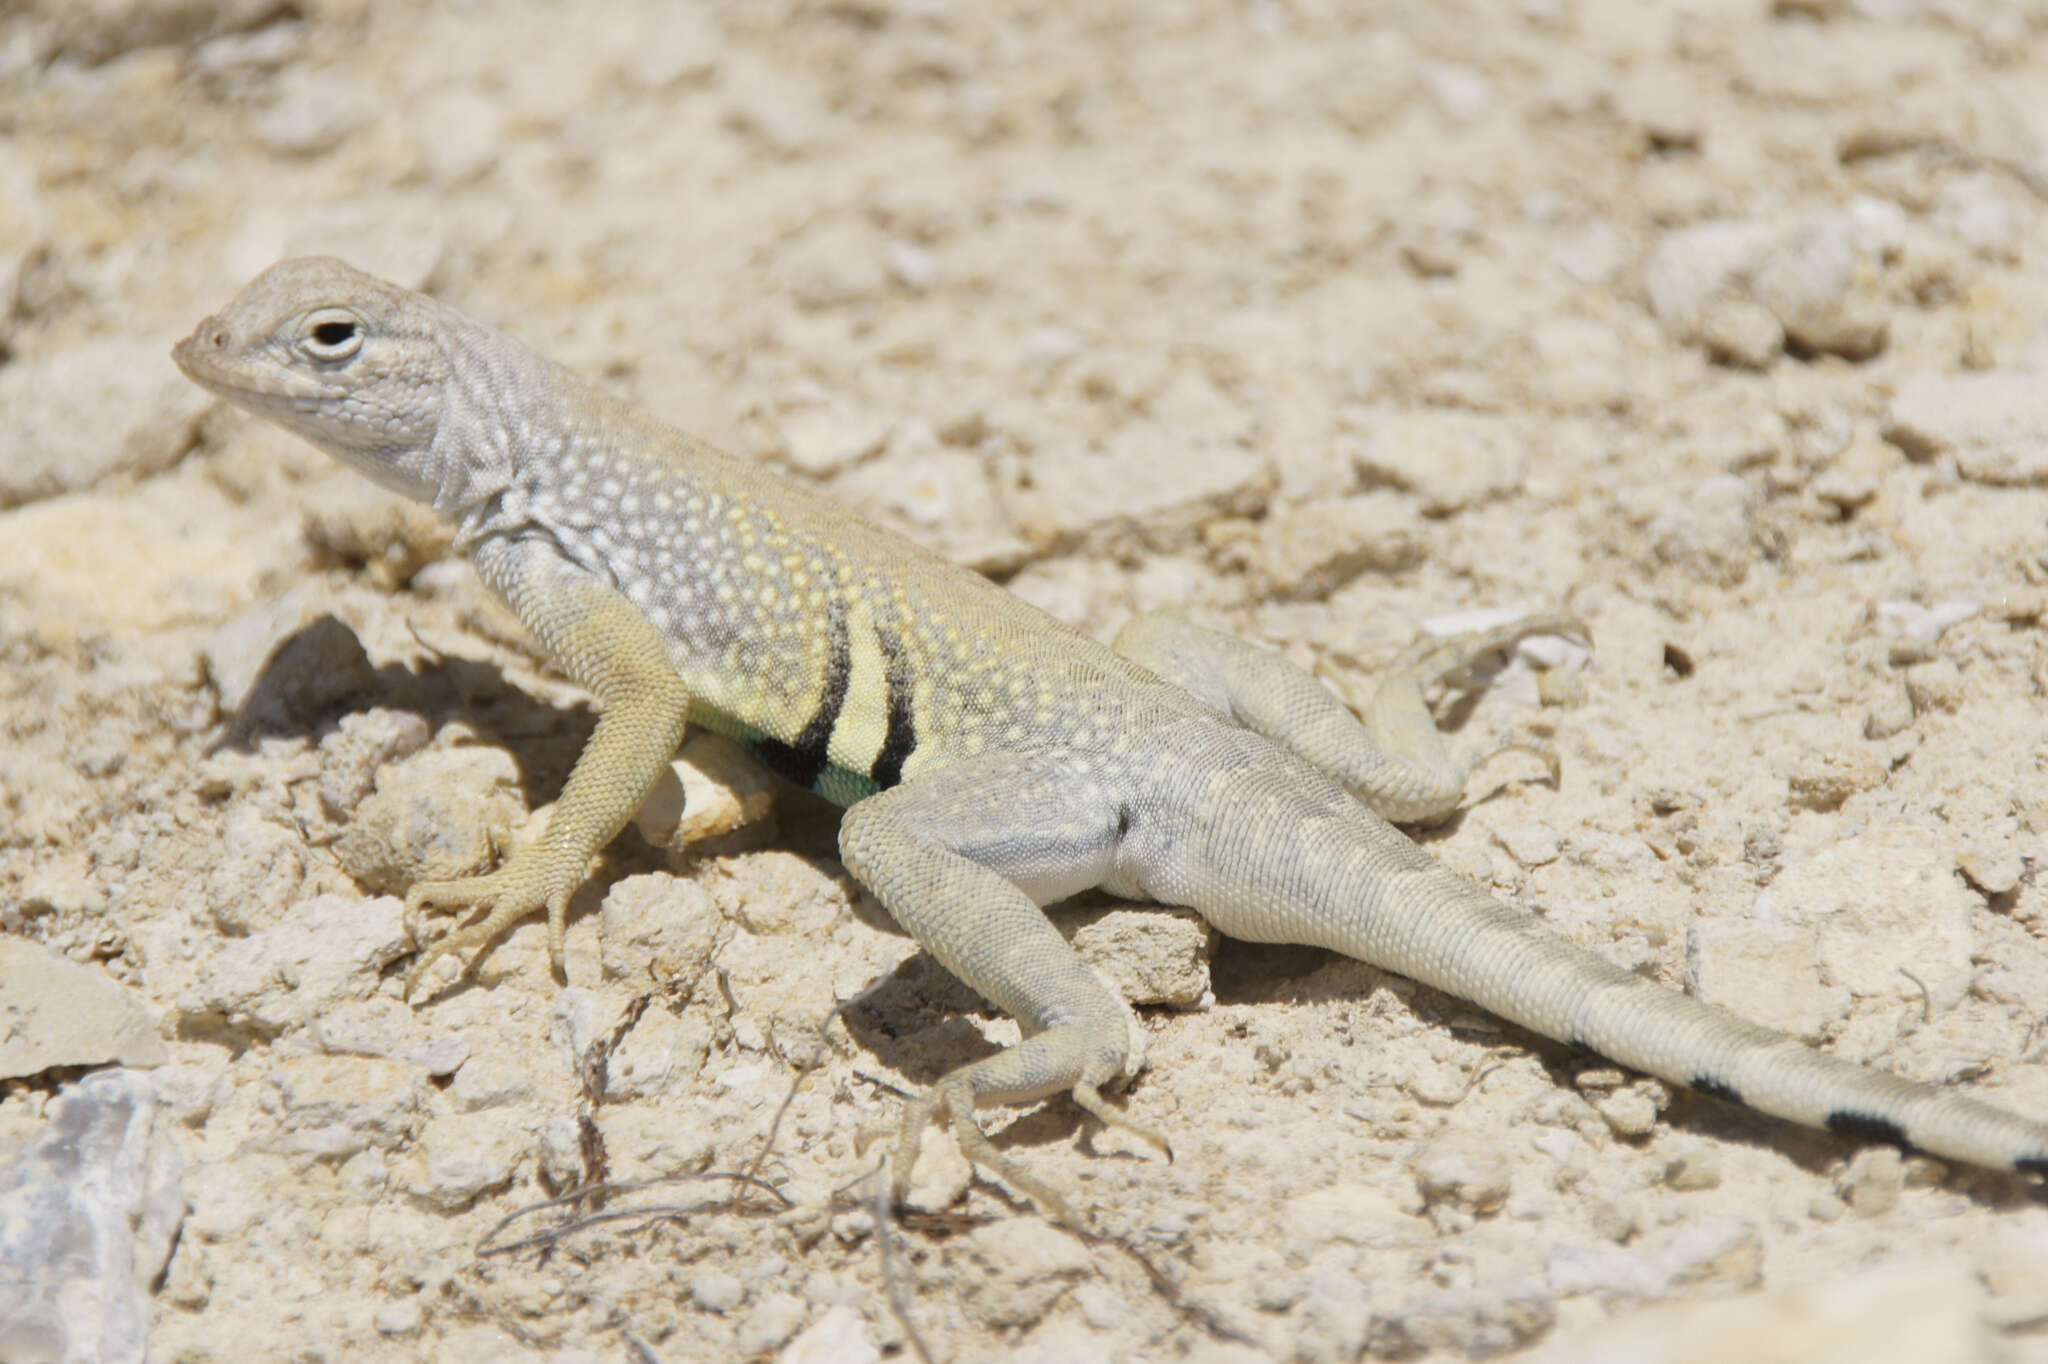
column 220, row 338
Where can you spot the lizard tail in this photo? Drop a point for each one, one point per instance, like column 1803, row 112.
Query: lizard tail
column 1325, row 870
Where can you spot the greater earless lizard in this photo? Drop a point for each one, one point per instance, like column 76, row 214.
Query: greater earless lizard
column 991, row 759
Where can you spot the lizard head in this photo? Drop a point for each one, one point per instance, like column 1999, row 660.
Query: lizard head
column 351, row 363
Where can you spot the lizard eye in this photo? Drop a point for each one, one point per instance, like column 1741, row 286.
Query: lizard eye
column 332, row 335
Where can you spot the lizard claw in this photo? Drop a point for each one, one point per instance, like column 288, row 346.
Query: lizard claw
column 953, row 1098
column 495, row 903
column 1109, row 1115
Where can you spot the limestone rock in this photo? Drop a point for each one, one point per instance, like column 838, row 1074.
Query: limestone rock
column 1994, row 424
column 58, row 1012
column 99, row 410
column 88, row 1215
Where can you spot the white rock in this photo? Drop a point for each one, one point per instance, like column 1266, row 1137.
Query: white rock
column 1824, row 778
column 1822, row 281
column 839, row 1336
column 1334, row 1318
column 940, row 1175
column 493, row 1079
column 1707, row 533
column 259, row 873
column 58, row 1012
column 2012, row 1260
column 459, row 132
column 1460, row 91
column 1881, row 901
column 650, row 1142
column 325, row 950
column 1722, row 1249
column 578, row 1020
column 1935, row 686
column 439, row 813
column 1025, row 1265
column 940, row 496
column 1468, row 1170
column 910, row 266
column 1740, row 331
column 1481, row 1322
column 1922, row 626
column 190, row 1091
column 282, row 663
column 1355, row 1214
column 442, row 1056
column 1994, row 873
column 1449, row 460
column 717, row 1291
column 1901, row 1314
column 1994, row 423
column 228, row 1197
column 1726, row 1251
column 1820, row 277
column 1146, row 487
column 659, row 48
column 1594, row 255
column 1976, row 210
column 1150, row 956
column 1584, row 363
column 402, row 1318
column 662, row 1053
column 773, row 1320
column 560, row 1147
column 1769, row 973
column 314, row 112
column 377, row 1026
column 824, row 436
column 360, row 743
column 1309, row 551
column 461, row 1156
column 93, row 411
column 1532, row 845
column 263, row 50
column 402, row 238
column 88, row 1212
column 105, row 29
column 712, row 789
column 1692, row 267
column 333, row 1106
column 782, row 112
column 656, row 927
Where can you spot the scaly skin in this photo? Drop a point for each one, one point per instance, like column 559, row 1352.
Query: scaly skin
column 993, row 760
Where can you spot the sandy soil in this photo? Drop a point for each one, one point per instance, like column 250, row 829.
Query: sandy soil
column 1724, row 325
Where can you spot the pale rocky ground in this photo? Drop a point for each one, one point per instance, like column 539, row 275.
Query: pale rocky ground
column 1723, row 324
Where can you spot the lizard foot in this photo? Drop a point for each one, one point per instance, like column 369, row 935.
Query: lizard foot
column 953, row 1099
column 1438, row 659
column 1535, row 745
column 502, row 899
column 1109, row 1115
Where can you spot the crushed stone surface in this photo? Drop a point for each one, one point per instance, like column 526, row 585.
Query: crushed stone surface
column 1722, row 324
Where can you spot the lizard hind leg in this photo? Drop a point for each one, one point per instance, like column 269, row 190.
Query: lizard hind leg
column 953, row 1100
column 963, row 859
column 1390, row 754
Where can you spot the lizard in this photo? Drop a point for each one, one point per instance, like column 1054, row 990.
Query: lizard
column 990, row 758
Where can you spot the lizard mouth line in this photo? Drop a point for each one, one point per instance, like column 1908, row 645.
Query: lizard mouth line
column 198, row 356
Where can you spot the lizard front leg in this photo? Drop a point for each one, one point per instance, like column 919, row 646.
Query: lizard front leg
column 963, row 858
column 600, row 639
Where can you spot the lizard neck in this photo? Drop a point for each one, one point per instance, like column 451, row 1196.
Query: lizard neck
column 507, row 414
